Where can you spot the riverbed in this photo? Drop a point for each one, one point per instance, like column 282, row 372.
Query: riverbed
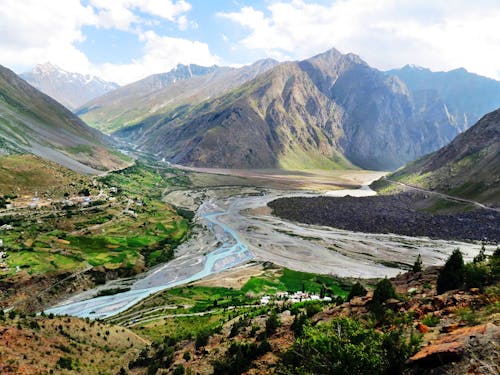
column 236, row 228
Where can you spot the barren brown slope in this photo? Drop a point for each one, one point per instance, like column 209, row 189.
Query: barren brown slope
column 280, row 119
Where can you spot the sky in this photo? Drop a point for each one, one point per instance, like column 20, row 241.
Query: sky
column 126, row 40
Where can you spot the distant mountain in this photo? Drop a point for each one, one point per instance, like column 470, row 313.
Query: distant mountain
column 468, row 167
column 70, row 89
column 467, row 96
column 332, row 110
column 32, row 122
column 161, row 93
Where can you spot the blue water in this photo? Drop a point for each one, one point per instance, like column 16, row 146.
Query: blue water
column 106, row 306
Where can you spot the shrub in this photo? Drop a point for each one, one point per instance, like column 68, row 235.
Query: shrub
column 179, row 370
column 201, row 339
column 239, row 357
column 383, row 291
column 476, row 275
column 452, row 274
column 65, row 363
column 431, row 320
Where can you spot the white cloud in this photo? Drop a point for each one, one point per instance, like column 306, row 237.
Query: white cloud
column 38, row 31
column 162, row 53
column 438, row 34
column 49, row 30
column 121, row 14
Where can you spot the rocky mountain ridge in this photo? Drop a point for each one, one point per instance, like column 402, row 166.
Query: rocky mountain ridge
column 160, row 93
column 70, row 89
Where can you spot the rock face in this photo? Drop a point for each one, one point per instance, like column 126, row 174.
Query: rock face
column 328, row 111
column 70, row 89
column 33, row 123
column 468, row 167
column 161, row 93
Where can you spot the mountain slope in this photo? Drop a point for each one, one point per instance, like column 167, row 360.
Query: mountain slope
column 161, row 93
column 32, row 122
column 279, row 119
column 468, row 167
column 70, row 89
column 328, row 111
column 467, row 96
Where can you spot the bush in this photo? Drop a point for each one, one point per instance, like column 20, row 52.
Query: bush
column 452, row 274
column 239, row 357
column 179, row 370
column 357, row 290
column 383, row 291
column 431, row 320
column 476, row 275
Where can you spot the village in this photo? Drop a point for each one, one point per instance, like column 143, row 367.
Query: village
column 293, row 297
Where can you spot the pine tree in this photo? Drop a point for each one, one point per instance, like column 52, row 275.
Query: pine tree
column 452, row 274
column 417, row 266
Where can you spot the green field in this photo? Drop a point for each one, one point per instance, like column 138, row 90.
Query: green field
column 133, row 230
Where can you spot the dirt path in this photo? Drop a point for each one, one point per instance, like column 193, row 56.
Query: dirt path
column 443, row 195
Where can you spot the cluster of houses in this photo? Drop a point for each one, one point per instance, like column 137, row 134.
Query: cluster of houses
column 293, row 298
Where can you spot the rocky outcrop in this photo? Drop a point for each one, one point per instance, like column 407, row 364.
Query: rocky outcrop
column 481, row 340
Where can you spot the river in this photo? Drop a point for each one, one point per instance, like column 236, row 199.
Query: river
column 235, row 229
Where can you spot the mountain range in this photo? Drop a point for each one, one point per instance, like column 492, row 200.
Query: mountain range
column 468, row 167
column 332, row 110
column 70, row 89
column 467, row 96
column 33, row 123
column 160, row 93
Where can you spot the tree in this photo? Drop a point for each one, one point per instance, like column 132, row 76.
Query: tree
column 272, row 323
column 345, row 346
column 417, row 266
column 452, row 274
column 481, row 257
column 357, row 290
column 383, row 291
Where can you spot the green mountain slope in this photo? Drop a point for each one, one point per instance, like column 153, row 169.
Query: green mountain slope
column 162, row 93
column 468, row 167
column 33, row 123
